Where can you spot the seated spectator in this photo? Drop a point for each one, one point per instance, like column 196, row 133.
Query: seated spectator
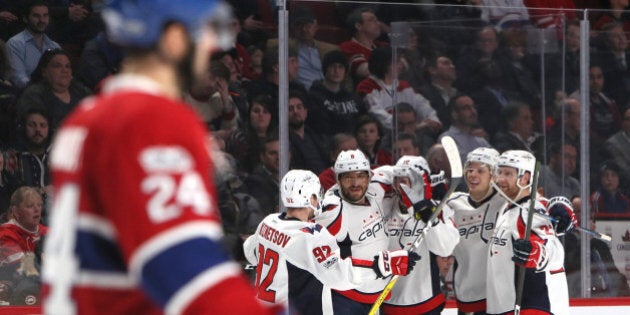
column 407, row 122
column 235, row 82
column 8, row 98
column 332, row 107
column 34, row 148
column 8, row 184
column 484, row 49
column 212, row 101
column 52, row 88
column 439, row 91
column 555, row 176
column 617, row 147
column 608, row 198
column 491, row 97
column 606, row 280
column 26, row 48
column 254, row 71
column 365, row 28
column 309, row 150
column 369, row 134
column 377, row 91
column 614, row 58
column 340, row 142
column 245, row 143
column 463, row 125
column 263, row 183
column 99, row 59
column 405, row 144
column 73, row 22
column 19, row 238
column 517, row 130
column 268, row 85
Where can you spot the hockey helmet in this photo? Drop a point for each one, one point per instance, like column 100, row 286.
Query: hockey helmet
column 298, row 186
column 521, row 160
column 139, row 23
column 487, row 156
column 351, row 161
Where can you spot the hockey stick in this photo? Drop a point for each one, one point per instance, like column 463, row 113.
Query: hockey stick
column 528, row 232
column 452, row 153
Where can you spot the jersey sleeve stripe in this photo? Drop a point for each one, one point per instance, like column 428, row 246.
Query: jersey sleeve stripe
column 362, row 263
column 207, row 279
column 169, row 238
column 170, row 271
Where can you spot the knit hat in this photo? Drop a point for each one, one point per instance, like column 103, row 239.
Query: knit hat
column 332, row 57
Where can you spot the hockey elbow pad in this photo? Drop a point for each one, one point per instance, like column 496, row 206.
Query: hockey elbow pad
column 529, row 254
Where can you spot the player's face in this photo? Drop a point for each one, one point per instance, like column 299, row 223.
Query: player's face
column 29, row 212
column 506, row 180
column 478, row 177
column 354, row 185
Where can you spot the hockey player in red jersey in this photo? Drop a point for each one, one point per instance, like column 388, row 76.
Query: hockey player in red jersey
column 135, row 227
column 542, row 254
column 298, row 262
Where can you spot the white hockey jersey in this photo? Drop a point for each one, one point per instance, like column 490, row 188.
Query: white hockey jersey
column 298, row 262
column 543, row 290
column 475, row 222
column 418, row 292
column 360, row 234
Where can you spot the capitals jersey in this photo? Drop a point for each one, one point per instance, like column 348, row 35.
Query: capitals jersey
column 135, row 226
column 298, row 263
column 418, row 292
column 360, row 234
column 542, row 291
column 475, row 222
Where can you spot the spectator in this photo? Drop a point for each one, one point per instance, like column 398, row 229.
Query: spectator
column 255, row 66
column 332, row 107
column 617, row 147
column 271, row 76
column 377, row 91
column 53, row 88
column 19, row 238
column 504, row 15
column 365, row 28
column 27, row 47
column 407, row 122
column 491, row 97
column 8, row 184
column 309, row 150
column 369, row 134
column 405, row 144
column 615, row 62
column 73, row 22
column 263, row 182
column 8, row 97
column 212, row 101
column 245, row 143
column 615, row 13
column 608, row 198
column 99, row 59
column 340, row 142
column 483, row 49
column 556, row 179
column 235, row 82
column 567, row 119
column 10, row 19
column 33, row 168
column 517, row 132
column 606, row 280
column 605, row 119
column 440, row 90
column 563, row 74
column 463, row 124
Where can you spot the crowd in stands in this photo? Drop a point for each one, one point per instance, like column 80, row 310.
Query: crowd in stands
column 472, row 73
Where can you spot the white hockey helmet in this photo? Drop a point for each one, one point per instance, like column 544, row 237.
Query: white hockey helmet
column 416, row 168
column 351, row 161
column 297, row 187
column 487, row 156
column 521, row 160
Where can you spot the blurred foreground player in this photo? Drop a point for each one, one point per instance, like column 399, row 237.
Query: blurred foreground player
column 135, row 227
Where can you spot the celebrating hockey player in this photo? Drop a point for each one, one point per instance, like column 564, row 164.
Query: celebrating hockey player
column 355, row 217
column 299, row 261
column 135, row 226
column 542, row 255
column 407, row 214
column 474, row 214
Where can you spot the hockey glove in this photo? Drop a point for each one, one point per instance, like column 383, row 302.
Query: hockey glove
column 527, row 253
column 559, row 208
column 399, row 262
column 422, row 208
